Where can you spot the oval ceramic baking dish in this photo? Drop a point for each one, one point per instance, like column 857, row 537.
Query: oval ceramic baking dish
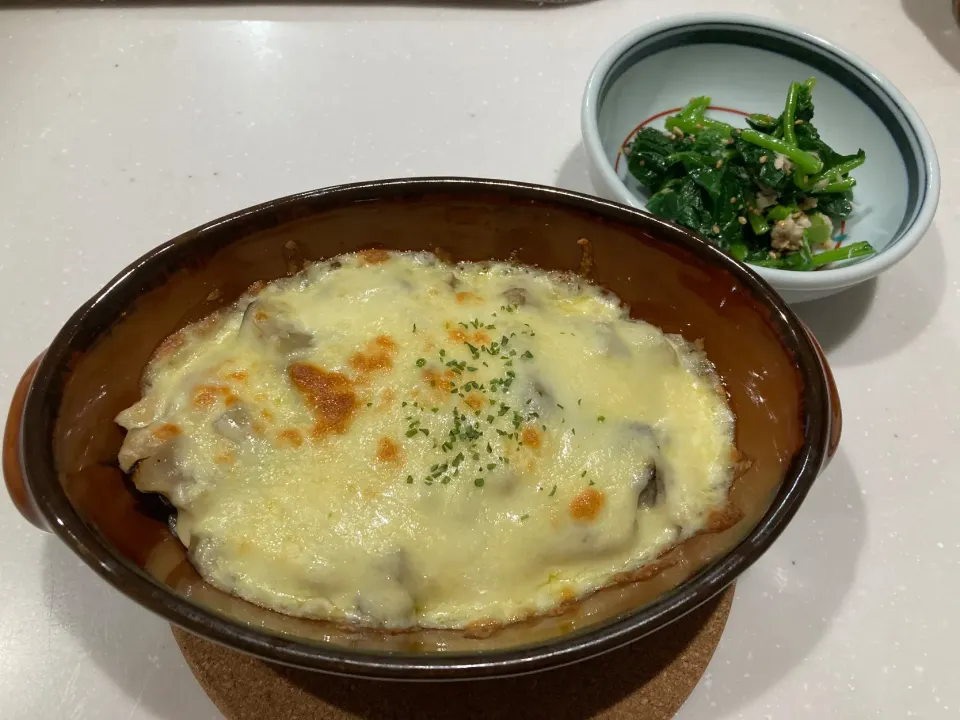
column 61, row 443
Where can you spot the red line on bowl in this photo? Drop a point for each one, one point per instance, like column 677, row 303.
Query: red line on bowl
column 716, row 108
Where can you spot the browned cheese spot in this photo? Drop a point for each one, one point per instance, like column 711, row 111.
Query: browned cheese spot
column 441, row 381
column 388, row 451
column 587, row 504
column 531, row 437
column 378, row 355
column 206, row 395
column 482, row 628
column 204, row 398
column 374, row 257
column 386, row 397
column 474, row 401
column 722, row 518
column 330, row 395
column 256, row 288
column 291, row 437
column 466, row 298
column 459, row 335
column 167, row 431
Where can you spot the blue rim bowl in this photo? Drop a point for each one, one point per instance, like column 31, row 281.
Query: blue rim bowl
column 874, row 96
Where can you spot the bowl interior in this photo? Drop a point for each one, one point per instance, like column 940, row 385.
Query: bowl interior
column 746, row 70
column 93, row 369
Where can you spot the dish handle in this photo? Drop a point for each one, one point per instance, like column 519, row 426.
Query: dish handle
column 12, row 470
column 836, row 413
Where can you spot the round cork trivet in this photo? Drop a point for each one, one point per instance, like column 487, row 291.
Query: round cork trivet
column 647, row 680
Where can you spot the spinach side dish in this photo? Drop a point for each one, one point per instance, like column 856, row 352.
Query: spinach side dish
column 772, row 194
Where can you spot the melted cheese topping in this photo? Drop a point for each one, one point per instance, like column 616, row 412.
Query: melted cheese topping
column 387, row 440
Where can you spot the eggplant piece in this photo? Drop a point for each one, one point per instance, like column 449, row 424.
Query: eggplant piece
column 543, row 391
column 650, row 481
column 654, row 491
column 234, row 425
column 517, row 296
column 140, row 443
column 268, row 324
column 387, row 597
column 159, row 473
column 644, row 433
column 452, row 280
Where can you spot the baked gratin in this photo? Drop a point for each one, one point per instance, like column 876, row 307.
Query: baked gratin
column 389, row 440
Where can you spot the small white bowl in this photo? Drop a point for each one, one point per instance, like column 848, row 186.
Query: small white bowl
column 746, row 64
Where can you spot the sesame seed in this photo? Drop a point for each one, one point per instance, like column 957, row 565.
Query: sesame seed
column 763, row 159
column 719, row 164
column 716, row 229
column 733, row 201
column 742, row 220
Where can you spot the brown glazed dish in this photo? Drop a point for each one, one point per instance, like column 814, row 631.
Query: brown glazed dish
column 61, row 443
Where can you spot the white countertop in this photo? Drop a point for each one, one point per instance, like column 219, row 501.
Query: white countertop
column 123, row 127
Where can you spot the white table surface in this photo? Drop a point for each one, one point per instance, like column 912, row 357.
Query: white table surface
column 120, row 128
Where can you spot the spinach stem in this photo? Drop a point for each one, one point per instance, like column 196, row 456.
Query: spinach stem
column 691, row 119
column 789, row 115
column 697, row 106
column 841, row 186
column 835, row 173
column 859, row 249
column 806, row 162
column 846, row 166
column 802, row 261
column 693, row 125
